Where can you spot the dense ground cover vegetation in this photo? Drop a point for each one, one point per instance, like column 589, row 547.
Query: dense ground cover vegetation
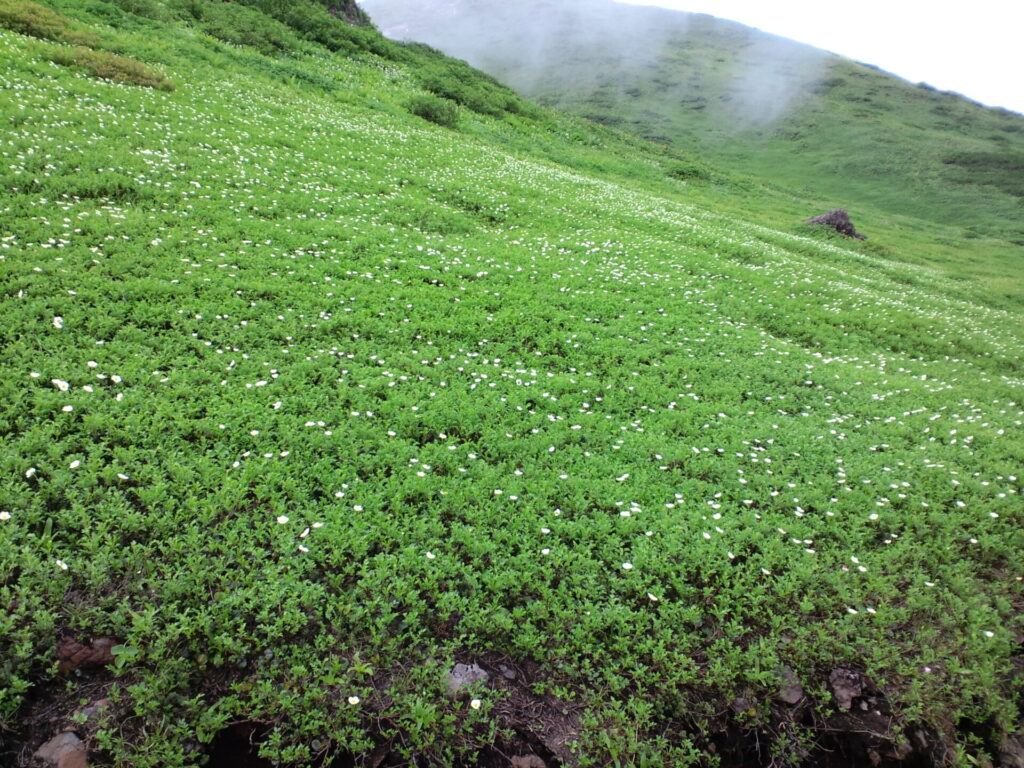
column 306, row 399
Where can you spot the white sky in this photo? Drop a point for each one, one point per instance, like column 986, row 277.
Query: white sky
column 975, row 49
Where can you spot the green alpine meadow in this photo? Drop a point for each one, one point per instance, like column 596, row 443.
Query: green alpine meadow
column 358, row 411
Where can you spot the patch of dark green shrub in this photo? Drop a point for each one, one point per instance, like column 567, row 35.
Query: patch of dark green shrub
column 437, row 110
column 109, row 66
column 689, row 171
column 242, row 25
column 28, row 18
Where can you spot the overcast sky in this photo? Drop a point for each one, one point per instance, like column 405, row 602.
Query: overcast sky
column 975, row 48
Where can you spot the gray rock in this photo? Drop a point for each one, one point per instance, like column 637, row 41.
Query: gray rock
column 846, row 686
column 790, row 692
column 839, row 221
column 507, row 672
column 1011, row 752
column 92, row 710
column 463, row 675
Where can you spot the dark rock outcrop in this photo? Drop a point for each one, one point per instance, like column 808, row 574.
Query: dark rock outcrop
column 347, row 10
column 839, row 221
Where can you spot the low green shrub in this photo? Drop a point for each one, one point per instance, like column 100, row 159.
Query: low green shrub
column 28, row 18
column 242, row 25
column 689, row 171
column 109, row 66
column 437, row 110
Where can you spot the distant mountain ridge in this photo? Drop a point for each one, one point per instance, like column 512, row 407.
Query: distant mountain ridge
column 746, row 100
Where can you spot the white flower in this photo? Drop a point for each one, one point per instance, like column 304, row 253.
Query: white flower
column 475, row 703
column 60, row 384
column 353, row 700
column 652, row 597
column 75, row 464
column 282, row 519
column 58, row 322
column 68, row 408
column 62, row 565
column 627, row 566
column 989, row 633
column 30, row 471
column 5, row 515
column 431, row 555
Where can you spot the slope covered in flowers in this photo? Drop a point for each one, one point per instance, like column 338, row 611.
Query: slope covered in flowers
column 305, row 401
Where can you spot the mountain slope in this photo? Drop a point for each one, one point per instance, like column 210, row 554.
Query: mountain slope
column 812, row 121
column 308, row 399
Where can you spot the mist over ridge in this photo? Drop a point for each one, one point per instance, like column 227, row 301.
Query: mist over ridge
column 546, row 49
column 744, row 100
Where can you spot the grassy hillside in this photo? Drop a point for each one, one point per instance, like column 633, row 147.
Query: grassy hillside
column 308, row 399
column 752, row 102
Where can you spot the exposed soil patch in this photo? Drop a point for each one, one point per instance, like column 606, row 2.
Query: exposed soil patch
column 536, row 730
column 237, row 746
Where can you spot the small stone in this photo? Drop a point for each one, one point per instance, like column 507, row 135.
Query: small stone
column 463, row 675
column 76, row 759
column 1011, row 752
column 791, row 692
column 741, row 704
column 92, row 710
column 65, row 750
column 73, row 655
column 507, row 672
column 846, row 686
column 528, row 761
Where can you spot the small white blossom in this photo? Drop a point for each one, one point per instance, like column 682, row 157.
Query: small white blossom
column 282, row 519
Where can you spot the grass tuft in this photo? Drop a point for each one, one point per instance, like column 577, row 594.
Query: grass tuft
column 28, row 18
column 109, row 66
